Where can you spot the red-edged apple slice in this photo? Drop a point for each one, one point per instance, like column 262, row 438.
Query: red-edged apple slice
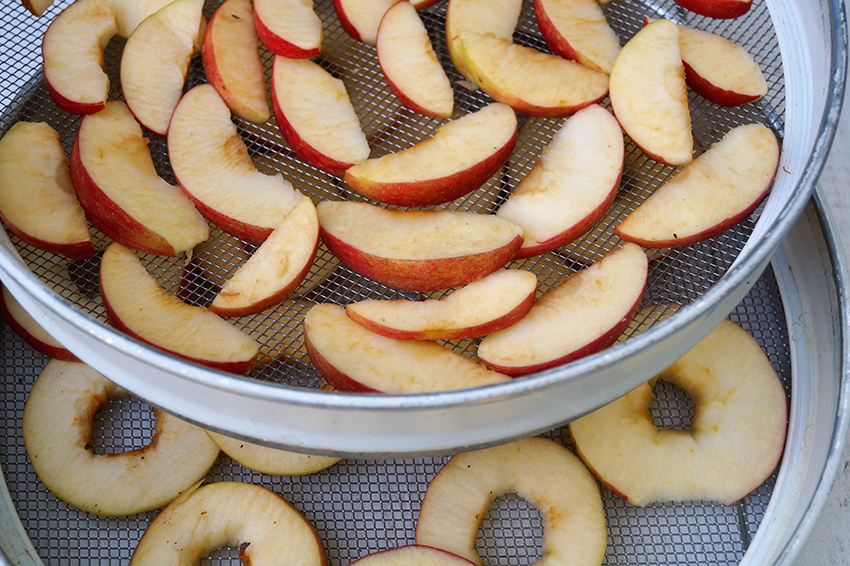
column 47, row 214
column 30, row 331
column 37, row 7
column 155, row 61
column 649, row 95
column 231, row 56
column 718, row 9
column 121, row 192
column 270, row 461
column 360, row 18
column 351, row 358
column 417, row 554
column 530, row 82
column 585, row 313
column 137, row 305
column 410, row 64
column 289, row 28
column 715, row 192
column 572, row 185
column 212, row 164
column 276, row 268
column 72, row 56
column 498, row 17
column 316, row 117
column 578, row 30
column 482, row 307
column 736, row 434
column 133, row 12
column 420, row 250
column 460, row 157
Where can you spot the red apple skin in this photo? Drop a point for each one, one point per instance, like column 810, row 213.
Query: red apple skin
column 72, row 107
column 593, row 471
column 78, row 250
column 713, row 93
column 345, row 22
column 279, row 45
column 62, row 354
column 331, row 374
column 718, row 9
column 408, row 102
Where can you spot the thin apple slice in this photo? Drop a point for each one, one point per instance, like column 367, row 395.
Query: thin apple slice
column 351, row 358
column 360, row 18
column 421, row 250
column 410, row 64
column 316, row 117
column 498, row 17
column 461, row 156
column 30, row 331
column 271, row 461
column 133, row 12
column 529, row 81
column 47, row 214
column 212, row 164
column 137, row 305
column 582, row 315
column 231, row 56
column 482, row 307
column 578, row 30
column 718, row 9
column 36, row 7
column 412, row 554
column 716, row 191
column 72, row 56
column 289, row 28
column 572, row 185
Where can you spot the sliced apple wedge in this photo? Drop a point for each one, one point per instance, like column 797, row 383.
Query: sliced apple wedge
column 231, row 55
column 578, row 30
column 719, row 9
column 72, row 56
column 360, row 18
column 461, row 156
column 410, row 64
column 585, row 313
column 133, row 12
column 290, row 28
column 421, row 250
column 351, row 358
column 30, row 331
column 137, row 305
column 572, row 185
column 649, row 95
column 411, row 554
column 270, row 461
column 498, row 17
column 37, row 7
column 529, row 81
column 212, row 164
column 716, row 191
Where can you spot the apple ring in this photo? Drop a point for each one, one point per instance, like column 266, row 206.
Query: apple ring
column 270, row 461
column 538, row 470
column 58, row 423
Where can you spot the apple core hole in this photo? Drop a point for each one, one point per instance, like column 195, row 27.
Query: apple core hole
column 223, row 555
column 673, row 407
column 503, row 535
column 123, row 424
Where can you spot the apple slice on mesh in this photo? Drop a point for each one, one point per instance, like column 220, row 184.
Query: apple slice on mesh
column 420, row 250
column 529, row 81
column 649, row 95
column 133, row 12
column 36, row 7
column 30, row 331
column 72, row 56
column 231, row 56
column 572, row 185
column 411, row 554
column 351, row 358
column 461, row 156
column 582, row 315
column 718, row 9
column 155, row 61
column 212, row 164
column 498, row 17
column 578, row 30
column 289, row 28
column 316, row 117
column 410, row 64
column 716, row 191
column 360, row 18
column 270, row 461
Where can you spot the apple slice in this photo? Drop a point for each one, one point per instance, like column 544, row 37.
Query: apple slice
column 572, row 185
column 271, row 461
column 484, row 306
column 133, row 12
column 155, row 61
column 461, row 156
column 736, row 434
column 530, row 82
column 231, row 56
column 47, row 214
column 316, row 117
column 351, row 358
column 715, row 192
column 410, row 64
column 649, row 96
column 578, row 30
column 30, row 331
column 212, row 164
column 276, row 268
column 719, row 9
column 121, row 192
column 603, row 297
column 420, row 250
column 412, row 554
column 137, row 305
column 498, row 17
column 360, row 18
column 289, row 28
column 72, row 56
column 37, row 7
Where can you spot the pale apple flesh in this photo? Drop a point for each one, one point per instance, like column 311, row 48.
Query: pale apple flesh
column 289, row 29
column 736, row 435
column 270, row 461
column 412, row 555
column 718, row 9
column 361, row 18
column 578, row 30
column 30, row 331
column 479, row 16
column 131, row 13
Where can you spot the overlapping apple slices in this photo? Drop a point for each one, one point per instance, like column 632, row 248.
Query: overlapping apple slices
column 420, row 250
column 604, row 297
column 137, row 305
column 578, row 30
column 572, row 185
column 131, row 13
column 498, row 17
column 360, row 18
column 212, row 164
column 30, row 331
column 289, row 28
column 461, row 156
column 351, row 358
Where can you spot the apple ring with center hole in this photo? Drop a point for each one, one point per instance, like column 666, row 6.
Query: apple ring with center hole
column 540, row 471
column 58, row 425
